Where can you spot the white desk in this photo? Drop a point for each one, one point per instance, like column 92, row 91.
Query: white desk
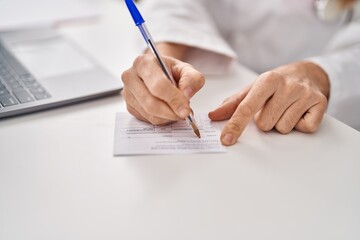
column 59, row 180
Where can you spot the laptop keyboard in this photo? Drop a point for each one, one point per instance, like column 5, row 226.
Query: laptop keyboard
column 17, row 85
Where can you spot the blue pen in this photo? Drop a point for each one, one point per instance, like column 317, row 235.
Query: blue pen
column 140, row 23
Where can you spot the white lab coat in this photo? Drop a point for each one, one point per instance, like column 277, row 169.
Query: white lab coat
column 263, row 34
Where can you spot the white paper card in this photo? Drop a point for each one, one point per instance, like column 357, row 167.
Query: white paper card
column 134, row 137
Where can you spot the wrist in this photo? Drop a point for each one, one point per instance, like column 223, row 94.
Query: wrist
column 319, row 76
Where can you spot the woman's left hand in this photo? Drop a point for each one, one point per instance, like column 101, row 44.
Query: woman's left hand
column 288, row 97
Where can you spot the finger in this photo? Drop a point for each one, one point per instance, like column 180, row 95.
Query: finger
column 228, row 107
column 264, row 87
column 159, row 86
column 292, row 116
column 153, row 120
column 313, row 117
column 144, row 99
column 135, row 109
column 190, row 81
column 130, row 99
column 285, row 96
column 135, row 113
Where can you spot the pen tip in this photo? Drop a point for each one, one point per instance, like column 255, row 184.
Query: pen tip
column 197, row 132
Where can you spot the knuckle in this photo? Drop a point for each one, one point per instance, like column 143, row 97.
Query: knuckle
column 149, row 106
column 308, row 92
column 156, row 120
column 175, row 102
column 141, row 60
column 201, row 79
column 234, row 125
column 286, row 124
column 304, row 93
column 152, row 119
column 322, row 99
column 125, row 76
column 144, row 64
column 157, row 87
column 270, row 77
column 164, row 122
column 292, row 88
column 246, row 109
column 284, row 127
column 310, row 127
column 263, row 125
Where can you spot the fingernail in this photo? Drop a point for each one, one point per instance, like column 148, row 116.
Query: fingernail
column 228, row 139
column 183, row 113
column 188, row 92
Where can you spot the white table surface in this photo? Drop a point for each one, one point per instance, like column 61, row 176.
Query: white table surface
column 59, row 179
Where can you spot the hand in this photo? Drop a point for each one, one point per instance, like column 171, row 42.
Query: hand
column 151, row 97
column 288, row 97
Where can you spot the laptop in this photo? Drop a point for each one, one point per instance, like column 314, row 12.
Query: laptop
column 41, row 69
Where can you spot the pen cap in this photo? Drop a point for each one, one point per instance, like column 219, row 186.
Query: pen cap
column 138, row 19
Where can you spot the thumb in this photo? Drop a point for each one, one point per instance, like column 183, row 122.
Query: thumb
column 229, row 106
column 189, row 80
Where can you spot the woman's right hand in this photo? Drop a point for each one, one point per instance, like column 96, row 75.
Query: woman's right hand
column 151, row 97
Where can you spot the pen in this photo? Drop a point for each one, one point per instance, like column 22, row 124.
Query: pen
column 140, row 23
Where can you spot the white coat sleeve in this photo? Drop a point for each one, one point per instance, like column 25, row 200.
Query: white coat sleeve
column 341, row 61
column 188, row 22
